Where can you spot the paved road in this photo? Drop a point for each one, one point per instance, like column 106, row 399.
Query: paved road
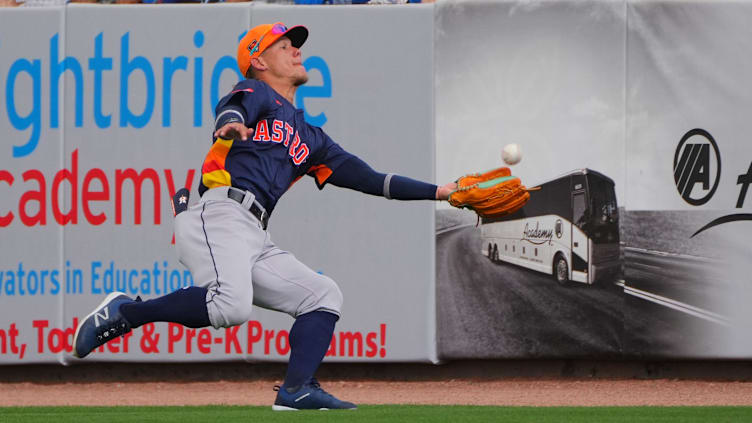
column 693, row 281
column 488, row 310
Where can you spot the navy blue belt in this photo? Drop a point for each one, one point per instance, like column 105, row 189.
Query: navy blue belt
column 255, row 209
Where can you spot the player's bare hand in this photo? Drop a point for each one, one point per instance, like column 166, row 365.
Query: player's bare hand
column 442, row 192
column 234, row 131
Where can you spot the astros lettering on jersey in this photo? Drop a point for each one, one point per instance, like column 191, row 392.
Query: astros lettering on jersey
column 284, row 147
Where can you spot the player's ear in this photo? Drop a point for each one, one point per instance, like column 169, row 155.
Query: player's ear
column 258, row 63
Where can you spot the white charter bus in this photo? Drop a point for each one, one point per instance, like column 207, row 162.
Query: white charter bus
column 569, row 228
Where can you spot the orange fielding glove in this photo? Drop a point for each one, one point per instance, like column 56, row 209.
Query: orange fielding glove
column 491, row 194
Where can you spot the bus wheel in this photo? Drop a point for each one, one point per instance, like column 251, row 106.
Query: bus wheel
column 490, row 252
column 561, row 270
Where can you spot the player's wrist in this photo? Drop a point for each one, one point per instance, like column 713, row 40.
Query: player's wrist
column 228, row 116
column 443, row 191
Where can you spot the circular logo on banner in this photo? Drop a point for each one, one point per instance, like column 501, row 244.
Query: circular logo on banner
column 697, row 167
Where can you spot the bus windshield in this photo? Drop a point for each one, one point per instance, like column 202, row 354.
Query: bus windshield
column 602, row 200
column 604, row 216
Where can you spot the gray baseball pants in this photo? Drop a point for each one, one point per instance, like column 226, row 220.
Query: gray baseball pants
column 229, row 253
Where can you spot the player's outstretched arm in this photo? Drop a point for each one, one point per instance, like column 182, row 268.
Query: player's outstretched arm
column 356, row 174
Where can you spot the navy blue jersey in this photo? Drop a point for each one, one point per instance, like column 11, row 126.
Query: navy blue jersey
column 282, row 149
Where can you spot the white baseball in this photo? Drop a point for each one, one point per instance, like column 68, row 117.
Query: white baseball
column 511, row 154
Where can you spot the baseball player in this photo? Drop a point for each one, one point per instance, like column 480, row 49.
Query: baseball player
column 261, row 146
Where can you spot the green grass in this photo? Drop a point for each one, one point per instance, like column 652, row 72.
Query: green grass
column 377, row 413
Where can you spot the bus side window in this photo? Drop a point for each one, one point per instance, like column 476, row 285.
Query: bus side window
column 579, row 209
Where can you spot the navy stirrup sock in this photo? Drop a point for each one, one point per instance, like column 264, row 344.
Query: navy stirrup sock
column 186, row 306
column 310, row 337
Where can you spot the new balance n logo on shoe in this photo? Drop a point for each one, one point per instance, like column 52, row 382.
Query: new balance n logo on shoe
column 105, row 316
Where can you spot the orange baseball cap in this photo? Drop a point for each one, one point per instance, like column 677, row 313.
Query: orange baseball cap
column 260, row 37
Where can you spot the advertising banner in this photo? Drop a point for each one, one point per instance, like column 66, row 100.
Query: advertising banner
column 109, row 110
column 689, row 167
column 632, row 119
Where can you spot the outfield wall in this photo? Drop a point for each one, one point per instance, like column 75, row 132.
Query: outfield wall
column 107, row 110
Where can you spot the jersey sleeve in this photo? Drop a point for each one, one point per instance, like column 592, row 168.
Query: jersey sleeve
column 327, row 159
column 358, row 175
column 245, row 103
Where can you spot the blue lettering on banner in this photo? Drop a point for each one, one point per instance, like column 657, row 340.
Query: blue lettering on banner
column 104, row 278
column 23, row 87
column 57, row 68
column 198, row 78
column 169, row 68
column 99, row 63
column 33, row 69
column 322, row 91
column 159, row 279
column 127, row 66
column 23, row 282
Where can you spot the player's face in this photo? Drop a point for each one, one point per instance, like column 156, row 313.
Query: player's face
column 285, row 61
